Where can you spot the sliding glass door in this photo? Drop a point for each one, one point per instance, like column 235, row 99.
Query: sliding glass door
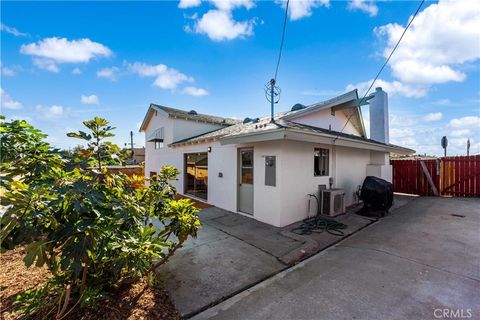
column 196, row 174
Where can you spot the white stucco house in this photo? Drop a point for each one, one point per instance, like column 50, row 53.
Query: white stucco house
column 266, row 169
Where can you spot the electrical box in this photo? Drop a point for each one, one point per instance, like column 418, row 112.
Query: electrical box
column 270, row 170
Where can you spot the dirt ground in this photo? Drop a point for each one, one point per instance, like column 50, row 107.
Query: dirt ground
column 129, row 301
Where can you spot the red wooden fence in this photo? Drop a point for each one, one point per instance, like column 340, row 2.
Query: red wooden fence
column 452, row 176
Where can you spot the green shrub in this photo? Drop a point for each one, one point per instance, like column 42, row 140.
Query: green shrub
column 91, row 228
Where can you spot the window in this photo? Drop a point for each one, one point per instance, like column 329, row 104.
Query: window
column 320, row 162
column 158, row 144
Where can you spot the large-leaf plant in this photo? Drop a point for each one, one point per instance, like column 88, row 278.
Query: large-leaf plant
column 91, row 228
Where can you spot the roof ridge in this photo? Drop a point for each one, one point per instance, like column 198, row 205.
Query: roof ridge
column 187, row 112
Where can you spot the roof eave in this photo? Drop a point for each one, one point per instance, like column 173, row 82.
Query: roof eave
column 300, row 135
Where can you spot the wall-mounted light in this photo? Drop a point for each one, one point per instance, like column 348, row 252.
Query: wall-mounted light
column 209, row 149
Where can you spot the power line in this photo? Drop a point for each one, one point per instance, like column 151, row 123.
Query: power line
column 283, row 38
column 383, row 66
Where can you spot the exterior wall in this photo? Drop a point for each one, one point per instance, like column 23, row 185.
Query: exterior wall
column 267, row 201
column 351, row 170
column 324, row 118
column 222, row 191
column 279, row 205
column 183, row 129
column 297, row 180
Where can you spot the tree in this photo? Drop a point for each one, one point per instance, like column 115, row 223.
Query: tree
column 91, row 228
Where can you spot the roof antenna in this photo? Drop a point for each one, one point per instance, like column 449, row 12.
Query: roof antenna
column 272, row 93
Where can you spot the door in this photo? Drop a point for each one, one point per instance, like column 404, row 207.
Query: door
column 196, row 174
column 245, row 177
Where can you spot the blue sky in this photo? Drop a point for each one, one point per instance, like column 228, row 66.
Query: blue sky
column 64, row 62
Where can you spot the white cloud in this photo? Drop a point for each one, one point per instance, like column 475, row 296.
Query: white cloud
column 461, row 133
column 8, row 72
column 76, row 71
column 396, row 133
column 466, row 122
column 183, row 4
column 219, row 25
column 52, row 51
column 53, row 112
column 12, row 30
column 91, row 99
column 7, row 102
column 436, row 116
column 194, row 91
column 228, row 5
column 367, row 6
column 109, row 73
column 441, row 38
column 298, row 9
column 165, row 77
column 391, row 87
column 46, row 64
column 442, row 102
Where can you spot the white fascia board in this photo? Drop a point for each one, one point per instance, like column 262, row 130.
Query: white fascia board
column 314, row 137
column 267, row 135
column 346, row 97
column 293, row 134
column 147, row 117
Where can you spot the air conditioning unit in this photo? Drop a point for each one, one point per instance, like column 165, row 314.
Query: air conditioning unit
column 332, row 201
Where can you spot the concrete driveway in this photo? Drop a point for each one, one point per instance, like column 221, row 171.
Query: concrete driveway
column 423, row 258
column 233, row 253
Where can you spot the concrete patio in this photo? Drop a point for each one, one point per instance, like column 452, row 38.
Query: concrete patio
column 233, row 253
column 413, row 264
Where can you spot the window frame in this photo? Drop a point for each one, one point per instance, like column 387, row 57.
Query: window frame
column 159, row 146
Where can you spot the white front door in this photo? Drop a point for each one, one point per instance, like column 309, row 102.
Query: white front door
column 245, row 179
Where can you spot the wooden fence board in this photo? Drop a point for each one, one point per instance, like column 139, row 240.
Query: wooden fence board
column 456, row 176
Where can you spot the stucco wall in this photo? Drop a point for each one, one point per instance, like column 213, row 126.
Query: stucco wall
column 351, row 170
column 279, row 205
column 297, row 180
column 183, row 129
column 267, row 199
column 324, row 118
column 222, row 159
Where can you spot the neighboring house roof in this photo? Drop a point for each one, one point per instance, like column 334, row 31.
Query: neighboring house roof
column 139, row 151
column 187, row 115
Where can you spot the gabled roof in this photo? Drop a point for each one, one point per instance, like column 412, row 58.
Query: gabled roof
column 187, row 115
column 264, row 126
column 347, row 101
column 235, row 130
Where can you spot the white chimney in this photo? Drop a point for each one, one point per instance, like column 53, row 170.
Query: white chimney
column 379, row 116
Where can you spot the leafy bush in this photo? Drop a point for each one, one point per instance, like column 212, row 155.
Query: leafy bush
column 91, row 228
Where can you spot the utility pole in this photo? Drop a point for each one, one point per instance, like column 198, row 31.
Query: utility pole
column 468, row 147
column 131, row 144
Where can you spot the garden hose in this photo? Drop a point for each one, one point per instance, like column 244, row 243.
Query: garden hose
column 319, row 224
